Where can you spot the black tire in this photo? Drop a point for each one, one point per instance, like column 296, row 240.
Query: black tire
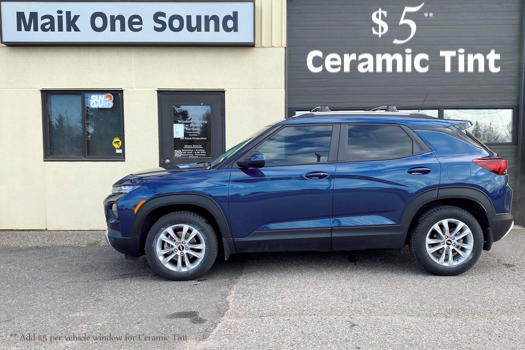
column 206, row 235
column 426, row 222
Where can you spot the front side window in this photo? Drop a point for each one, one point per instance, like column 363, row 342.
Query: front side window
column 295, row 145
column 83, row 125
column 378, row 142
column 232, row 151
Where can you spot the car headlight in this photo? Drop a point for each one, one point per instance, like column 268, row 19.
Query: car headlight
column 125, row 189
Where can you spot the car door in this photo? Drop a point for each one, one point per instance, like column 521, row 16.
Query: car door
column 287, row 204
column 382, row 168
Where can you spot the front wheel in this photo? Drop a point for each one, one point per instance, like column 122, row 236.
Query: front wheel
column 181, row 246
column 446, row 240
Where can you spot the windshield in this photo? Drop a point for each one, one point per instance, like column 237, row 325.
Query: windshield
column 225, row 156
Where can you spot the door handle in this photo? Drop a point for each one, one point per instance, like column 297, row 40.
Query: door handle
column 419, row 171
column 316, row 175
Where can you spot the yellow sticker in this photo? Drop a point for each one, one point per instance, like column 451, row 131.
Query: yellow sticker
column 117, row 143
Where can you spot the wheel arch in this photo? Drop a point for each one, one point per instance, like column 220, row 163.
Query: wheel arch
column 202, row 205
column 472, row 200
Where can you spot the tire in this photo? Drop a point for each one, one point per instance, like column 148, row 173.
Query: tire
column 431, row 245
column 183, row 259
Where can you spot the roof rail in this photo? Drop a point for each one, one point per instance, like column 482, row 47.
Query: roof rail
column 321, row 109
column 385, row 108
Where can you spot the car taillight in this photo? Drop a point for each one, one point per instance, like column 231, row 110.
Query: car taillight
column 497, row 166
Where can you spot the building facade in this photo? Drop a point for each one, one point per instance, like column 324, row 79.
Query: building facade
column 81, row 109
column 448, row 59
column 59, row 189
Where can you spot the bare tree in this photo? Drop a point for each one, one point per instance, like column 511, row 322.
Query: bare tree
column 180, row 115
column 476, row 131
column 490, row 134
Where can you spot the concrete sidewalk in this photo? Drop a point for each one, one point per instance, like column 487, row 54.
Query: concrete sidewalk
column 74, row 291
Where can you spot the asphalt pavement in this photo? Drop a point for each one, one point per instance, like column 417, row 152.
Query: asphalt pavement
column 69, row 290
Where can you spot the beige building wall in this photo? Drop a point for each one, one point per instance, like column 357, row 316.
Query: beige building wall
column 67, row 195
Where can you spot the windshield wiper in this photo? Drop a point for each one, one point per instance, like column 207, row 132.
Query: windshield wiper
column 205, row 164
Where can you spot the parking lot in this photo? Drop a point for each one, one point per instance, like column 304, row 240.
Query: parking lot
column 68, row 290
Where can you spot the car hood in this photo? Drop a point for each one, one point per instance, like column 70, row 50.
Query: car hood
column 158, row 174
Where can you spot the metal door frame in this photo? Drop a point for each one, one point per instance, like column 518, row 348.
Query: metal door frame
column 222, row 121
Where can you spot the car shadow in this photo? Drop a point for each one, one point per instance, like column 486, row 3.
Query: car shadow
column 389, row 261
column 394, row 261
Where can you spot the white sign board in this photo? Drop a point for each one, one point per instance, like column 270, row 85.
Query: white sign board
column 128, row 23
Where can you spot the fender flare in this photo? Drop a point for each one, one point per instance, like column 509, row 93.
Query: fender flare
column 415, row 205
column 480, row 198
column 468, row 193
column 199, row 200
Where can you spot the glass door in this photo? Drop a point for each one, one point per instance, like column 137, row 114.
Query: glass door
column 191, row 127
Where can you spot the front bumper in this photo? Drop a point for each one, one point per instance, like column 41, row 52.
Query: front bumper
column 125, row 245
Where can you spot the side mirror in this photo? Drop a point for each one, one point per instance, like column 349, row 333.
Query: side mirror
column 255, row 160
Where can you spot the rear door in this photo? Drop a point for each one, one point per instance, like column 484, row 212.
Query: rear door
column 382, row 168
column 287, row 204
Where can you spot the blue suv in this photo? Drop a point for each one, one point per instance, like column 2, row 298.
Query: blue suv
column 319, row 182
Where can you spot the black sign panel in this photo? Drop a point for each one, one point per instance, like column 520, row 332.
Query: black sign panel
column 368, row 53
column 192, row 131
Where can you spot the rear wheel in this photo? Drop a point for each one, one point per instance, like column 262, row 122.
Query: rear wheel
column 181, row 246
column 447, row 240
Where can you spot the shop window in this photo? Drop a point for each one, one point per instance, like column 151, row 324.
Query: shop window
column 434, row 113
column 83, row 125
column 298, row 113
column 488, row 125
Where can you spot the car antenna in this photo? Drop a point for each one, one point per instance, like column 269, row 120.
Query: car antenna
column 423, row 102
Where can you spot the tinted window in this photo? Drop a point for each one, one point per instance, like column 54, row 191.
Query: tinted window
column 64, row 122
column 297, row 145
column 103, row 125
column 377, row 142
column 83, row 125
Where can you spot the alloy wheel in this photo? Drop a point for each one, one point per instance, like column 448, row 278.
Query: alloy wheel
column 449, row 242
column 180, row 247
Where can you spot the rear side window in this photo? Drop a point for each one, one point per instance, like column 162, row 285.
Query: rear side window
column 378, row 142
column 297, row 145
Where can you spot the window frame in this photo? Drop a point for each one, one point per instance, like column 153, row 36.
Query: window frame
column 332, row 152
column 441, row 113
column 343, row 142
column 84, row 157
